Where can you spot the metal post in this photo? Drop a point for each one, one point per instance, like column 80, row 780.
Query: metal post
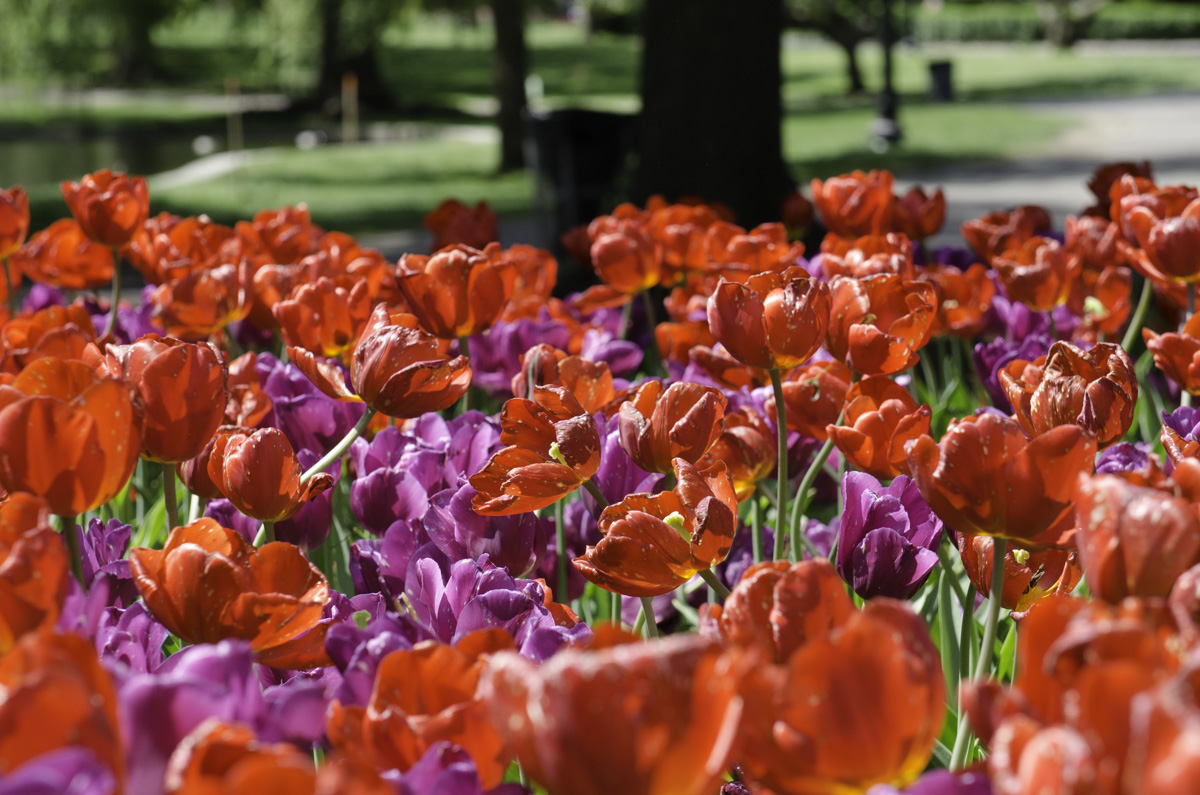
column 885, row 129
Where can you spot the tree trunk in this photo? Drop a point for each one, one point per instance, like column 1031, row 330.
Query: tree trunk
column 329, row 79
column 853, row 74
column 711, row 108
column 511, row 66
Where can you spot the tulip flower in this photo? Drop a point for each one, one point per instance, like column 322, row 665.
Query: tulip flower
column 878, row 324
column 247, row 403
column 68, row 435
column 33, row 569
column 720, row 366
column 536, row 272
column 325, row 317
column 985, row 477
column 544, row 365
column 182, row 387
column 1167, row 246
column 208, row 583
column 964, row 298
column 423, row 696
column 1094, row 241
column 866, row 256
column 1096, row 389
column 1039, row 273
column 259, row 473
column 996, row 232
column 855, row 204
column 168, row 247
column 678, row 696
column 1028, row 576
column 653, row 543
column 61, row 255
column 56, row 695
column 204, row 301
column 747, row 447
column 399, row 371
column 62, row 332
column 551, row 448
column 888, row 538
column 814, row 396
column 681, row 421
column 919, row 215
column 1137, row 535
column 857, row 697
column 627, row 262
column 773, row 321
column 880, row 419
column 109, row 206
column 764, row 248
column 454, row 223
column 682, row 232
column 991, row 357
column 458, row 291
column 284, row 235
column 14, row 220
column 1178, row 355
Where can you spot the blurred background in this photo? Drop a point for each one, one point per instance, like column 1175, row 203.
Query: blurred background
column 373, row 111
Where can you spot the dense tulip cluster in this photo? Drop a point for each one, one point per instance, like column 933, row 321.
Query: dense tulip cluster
column 910, row 519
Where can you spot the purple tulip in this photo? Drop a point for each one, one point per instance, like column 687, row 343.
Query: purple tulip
column 446, row 769
column 73, row 770
column 1185, row 421
column 514, row 542
column 940, row 782
column 308, row 418
column 310, row 526
column 1124, row 457
column 990, row 357
column 622, row 356
column 42, row 296
column 618, row 475
column 356, row 653
column 888, row 539
column 222, row 511
column 131, row 640
column 103, row 548
column 496, row 356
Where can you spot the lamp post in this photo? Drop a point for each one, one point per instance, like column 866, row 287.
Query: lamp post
column 885, row 130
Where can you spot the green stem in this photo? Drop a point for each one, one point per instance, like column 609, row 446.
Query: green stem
column 626, row 316
column 781, row 474
column 594, row 490
column 116, row 295
column 718, row 587
column 12, row 287
column 560, row 538
column 168, row 474
column 983, row 665
column 1139, row 316
column 802, row 499
column 266, row 534
column 196, row 509
column 73, row 552
column 1053, row 325
column 614, row 607
column 648, row 615
column 948, row 568
column 339, row 448
column 756, row 539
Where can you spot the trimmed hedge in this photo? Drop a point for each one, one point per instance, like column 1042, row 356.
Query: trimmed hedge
column 1020, row 22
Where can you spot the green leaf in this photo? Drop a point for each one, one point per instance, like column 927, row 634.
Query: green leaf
column 1006, row 663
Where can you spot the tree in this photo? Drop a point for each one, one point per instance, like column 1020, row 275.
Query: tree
column 1066, row 21
column 511, row 68
column 351, row 38
column 711, row 109
column 846, row 23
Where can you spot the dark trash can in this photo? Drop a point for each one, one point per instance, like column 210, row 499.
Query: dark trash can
column 941, row 81
column 579, row 155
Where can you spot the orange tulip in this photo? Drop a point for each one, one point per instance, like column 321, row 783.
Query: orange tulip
column 537, row 272
column 208, row 583
column 917, row 214
column 397, row 369
column 727, row 371
column 194, row 474
column 1039, row 273
column 682, row 233
column 551, row 448
column 878, row 324
column 658, row 425
column 1103, row 300
column 57, row 694
column 14, row 219
column 1094, row 241
column 676, row 341
column 109, row 207
column 324, row 317
column 1096, row 389
column 1178, row 355
column 458, row 291
column 454, row 223
column 747, row 448
column 653, row 543
column 33, row 569
column 764, row 248
column 1107, row 175
column 183, row 393
column 63, row 332
column 777, row 607
column 68, row 435
column 626, row 259
column 963, row 298
column 259, row 473
column 855, row 204
column 247, row 404
column 591, row 383
column 814, row 398
column 867, row 256
column 652, row 718
column 999, row 231
column 1130, row 192
column 1137, row 535
column 423, row 696
column 1028, row 576
column 880, row 419
column 988, row 478
column 773, row 321
column 168, row 247
column 1167, row 246
column 204, row 301
column 63, row 256
column 858, row 698
column 284, row 235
